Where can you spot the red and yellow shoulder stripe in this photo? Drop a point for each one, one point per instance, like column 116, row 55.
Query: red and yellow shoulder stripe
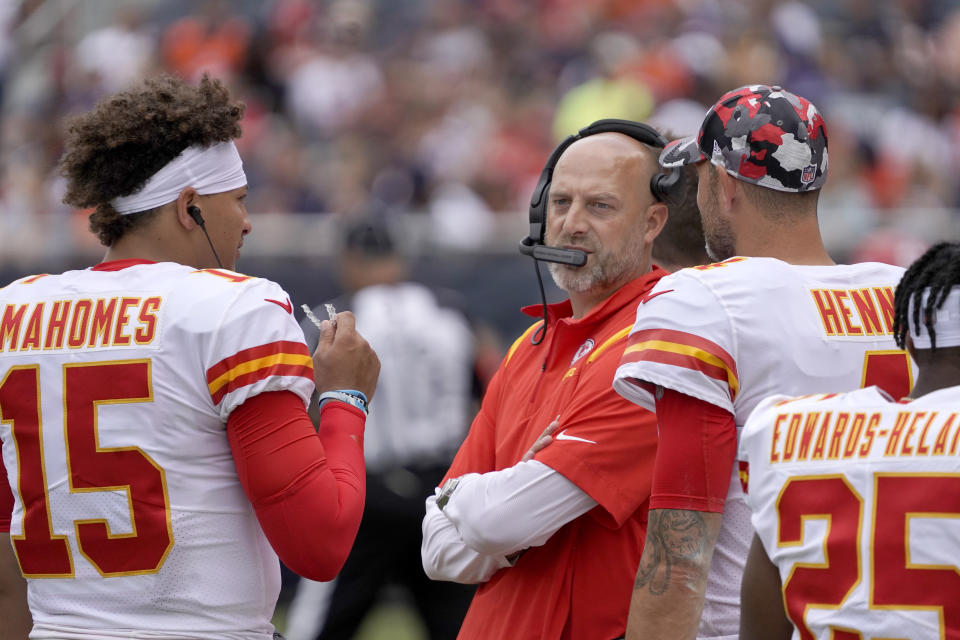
column 619, row 335
column 281, row 358
column 32, row 279
column 26, row 280
column 524, row 336
column 682, row 349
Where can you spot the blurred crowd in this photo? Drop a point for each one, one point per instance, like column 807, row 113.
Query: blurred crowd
column 445, row 110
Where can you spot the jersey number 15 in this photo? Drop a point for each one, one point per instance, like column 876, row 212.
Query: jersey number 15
column 89, row 467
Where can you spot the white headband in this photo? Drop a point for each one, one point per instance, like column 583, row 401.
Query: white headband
column 207, row 169
column 946, row 321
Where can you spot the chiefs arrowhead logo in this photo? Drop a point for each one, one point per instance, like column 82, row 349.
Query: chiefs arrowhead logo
column 584, row 349
column 286, row 306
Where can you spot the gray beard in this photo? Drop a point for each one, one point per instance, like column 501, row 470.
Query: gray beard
column 576, row 279
column 605, row 269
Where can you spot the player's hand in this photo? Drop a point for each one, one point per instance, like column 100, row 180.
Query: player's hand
column 542, row 441
column 344, row 359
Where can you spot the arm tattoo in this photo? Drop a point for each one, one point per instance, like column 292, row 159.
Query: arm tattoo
column 672, row 536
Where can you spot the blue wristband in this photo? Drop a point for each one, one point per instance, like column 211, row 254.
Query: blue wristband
column 359, row 394
column 349, row 396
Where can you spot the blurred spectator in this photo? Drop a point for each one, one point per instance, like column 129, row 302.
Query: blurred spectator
column 682, row 116
column 331, row 90
column 892, row 246
column 279, row 167
column 213, row 39
column 459, row 217
column 425, row 396
column 609, row 93
column 118, row 54
column 8, row 19
column 453, row 46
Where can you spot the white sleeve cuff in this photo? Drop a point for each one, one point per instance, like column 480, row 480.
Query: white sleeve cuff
column 445, row 556
column 502, row 512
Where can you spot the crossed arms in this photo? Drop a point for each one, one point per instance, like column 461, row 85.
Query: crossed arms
column 491, row 517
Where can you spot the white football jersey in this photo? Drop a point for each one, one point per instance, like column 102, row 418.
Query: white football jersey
column 735, row 332
column 115, row 388
column 856, row 499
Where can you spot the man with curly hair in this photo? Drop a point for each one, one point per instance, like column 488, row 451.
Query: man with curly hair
column 153, row 419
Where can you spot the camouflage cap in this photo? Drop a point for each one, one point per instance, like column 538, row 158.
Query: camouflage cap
column 762, row 135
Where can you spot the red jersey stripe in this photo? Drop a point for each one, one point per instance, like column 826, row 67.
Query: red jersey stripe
column 682, row 360
column 245, row 379
column 255, row 353
column 688, row 340
column 33, row 279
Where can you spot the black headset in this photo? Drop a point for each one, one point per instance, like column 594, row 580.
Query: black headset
column 661, row 184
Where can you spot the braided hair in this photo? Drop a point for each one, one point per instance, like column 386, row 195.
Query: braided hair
column 939, row 270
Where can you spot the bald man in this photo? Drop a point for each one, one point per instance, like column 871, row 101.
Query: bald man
column 553, row 535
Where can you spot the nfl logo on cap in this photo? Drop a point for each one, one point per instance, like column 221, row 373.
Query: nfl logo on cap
column 808, row 174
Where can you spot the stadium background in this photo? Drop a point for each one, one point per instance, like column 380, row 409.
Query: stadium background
column 438, row 115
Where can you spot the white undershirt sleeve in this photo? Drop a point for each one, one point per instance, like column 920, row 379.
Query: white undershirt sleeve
column 502, row 512
column 445, row 556
column 493, row 515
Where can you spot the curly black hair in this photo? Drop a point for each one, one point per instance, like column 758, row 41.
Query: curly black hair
column 939, row 270
column 114, row 149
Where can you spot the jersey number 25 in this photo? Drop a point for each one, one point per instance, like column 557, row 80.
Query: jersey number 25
column 895, row 580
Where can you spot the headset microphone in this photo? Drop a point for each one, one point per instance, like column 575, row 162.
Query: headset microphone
column 194, row 212
column 572, row 257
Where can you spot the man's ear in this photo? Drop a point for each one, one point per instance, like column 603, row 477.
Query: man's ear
column 187, row 198
column 729, row 187
column 657, row 214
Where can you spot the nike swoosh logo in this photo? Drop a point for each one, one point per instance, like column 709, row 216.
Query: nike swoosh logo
column 563, row 436
column 650, row 296
column 286, row 306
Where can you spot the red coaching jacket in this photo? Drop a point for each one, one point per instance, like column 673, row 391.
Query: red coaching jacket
column 577, row 585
